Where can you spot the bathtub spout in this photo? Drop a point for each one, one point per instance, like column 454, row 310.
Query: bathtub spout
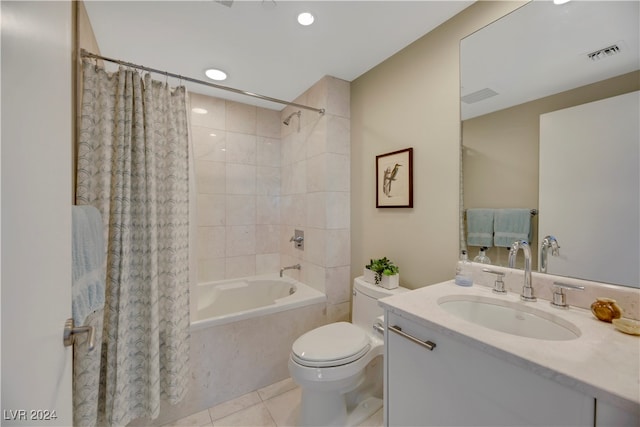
column 291, row 267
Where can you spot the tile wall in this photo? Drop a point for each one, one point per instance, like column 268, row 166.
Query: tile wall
column 315, row 192
column 259, row 180
column 237, row 156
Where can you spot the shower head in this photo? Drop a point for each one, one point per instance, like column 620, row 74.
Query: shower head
column 288, row 119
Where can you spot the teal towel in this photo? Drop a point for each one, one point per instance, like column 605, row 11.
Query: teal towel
column 511, row 225
column 480, row 227
column 88, row 256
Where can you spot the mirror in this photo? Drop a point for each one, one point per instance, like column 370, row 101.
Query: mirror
column 540, row 59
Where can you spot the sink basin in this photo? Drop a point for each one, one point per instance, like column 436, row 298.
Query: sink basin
column 509, row 317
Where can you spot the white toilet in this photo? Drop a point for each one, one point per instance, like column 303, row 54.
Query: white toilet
column 339, row 366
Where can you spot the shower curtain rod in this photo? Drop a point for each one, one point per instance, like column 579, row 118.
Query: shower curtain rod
column 86, row 54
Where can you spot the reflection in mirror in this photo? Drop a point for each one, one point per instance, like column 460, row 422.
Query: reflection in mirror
column 537, row 60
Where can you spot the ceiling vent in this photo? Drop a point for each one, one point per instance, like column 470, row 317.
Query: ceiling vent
column 604, row 53
column 478, row 96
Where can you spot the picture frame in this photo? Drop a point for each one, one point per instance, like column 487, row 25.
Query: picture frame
column 394, row 179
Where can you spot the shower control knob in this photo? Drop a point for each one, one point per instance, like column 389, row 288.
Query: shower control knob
column 298, row 239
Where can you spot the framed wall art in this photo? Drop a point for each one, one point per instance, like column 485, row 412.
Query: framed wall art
column 394, row 179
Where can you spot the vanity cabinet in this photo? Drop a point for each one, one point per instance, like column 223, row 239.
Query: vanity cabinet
column 608, row 415
column 455, row 384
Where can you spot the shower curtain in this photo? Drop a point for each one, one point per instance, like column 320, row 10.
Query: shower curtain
column 133, row 165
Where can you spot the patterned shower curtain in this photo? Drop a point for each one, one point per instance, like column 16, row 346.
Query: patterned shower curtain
column 133, row 165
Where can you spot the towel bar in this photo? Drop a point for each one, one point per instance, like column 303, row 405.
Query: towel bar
column 533, row 212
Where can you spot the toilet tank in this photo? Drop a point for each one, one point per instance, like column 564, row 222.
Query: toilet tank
column 365, row 308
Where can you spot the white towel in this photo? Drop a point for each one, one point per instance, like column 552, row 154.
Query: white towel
column 510, row 225
column 88, row 297
column 89, row 276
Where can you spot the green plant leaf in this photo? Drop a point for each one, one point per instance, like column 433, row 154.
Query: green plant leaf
column 383, row 266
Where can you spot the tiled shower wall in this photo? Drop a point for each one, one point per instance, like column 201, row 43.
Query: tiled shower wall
column 259, row 180
column 237, row 157
column 315, row 192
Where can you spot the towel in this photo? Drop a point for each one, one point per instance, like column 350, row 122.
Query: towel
column 88, row 271
column 87, row 306
column 510, row 225
column 480, row 227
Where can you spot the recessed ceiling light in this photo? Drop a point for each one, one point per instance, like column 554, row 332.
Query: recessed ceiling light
column 199, row 110
column 305, row 18
column 215, row 74
column 561, row 1
column 212, row 134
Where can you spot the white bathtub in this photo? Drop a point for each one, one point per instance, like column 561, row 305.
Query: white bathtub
column 241, row 337
column 233, row 300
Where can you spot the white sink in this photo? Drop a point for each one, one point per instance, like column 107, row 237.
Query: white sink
column 509, row 317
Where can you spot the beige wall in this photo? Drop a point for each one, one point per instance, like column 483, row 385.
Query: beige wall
column 500, row 155
column 83, row 38
column 412, row 100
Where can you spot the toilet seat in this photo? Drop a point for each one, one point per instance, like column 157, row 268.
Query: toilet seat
column 335, row 344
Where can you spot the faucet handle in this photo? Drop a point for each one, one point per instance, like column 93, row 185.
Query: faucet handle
column 298, row 239
column 559, row 297
column 498, row 286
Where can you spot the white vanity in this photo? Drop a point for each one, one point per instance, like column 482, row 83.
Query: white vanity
column 441, row 369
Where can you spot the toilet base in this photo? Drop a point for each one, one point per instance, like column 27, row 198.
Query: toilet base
column 322, row 409
column 342, row 403
column 364, row 410
column 330, row 409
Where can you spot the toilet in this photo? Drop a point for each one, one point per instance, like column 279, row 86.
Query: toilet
column 339, row 366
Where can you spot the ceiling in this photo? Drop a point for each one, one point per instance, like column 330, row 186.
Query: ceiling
column 541, row 49
column 259, row 43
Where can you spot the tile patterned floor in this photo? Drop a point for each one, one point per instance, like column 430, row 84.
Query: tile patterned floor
column 276, row 405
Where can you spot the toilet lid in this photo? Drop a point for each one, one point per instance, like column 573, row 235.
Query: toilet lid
column 331, row 345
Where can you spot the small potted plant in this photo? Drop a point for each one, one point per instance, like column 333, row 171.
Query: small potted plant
column 382, row 272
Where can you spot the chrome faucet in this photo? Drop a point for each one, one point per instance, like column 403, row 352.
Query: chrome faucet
column 291, row 267
column 548, row 242
column 527, row 289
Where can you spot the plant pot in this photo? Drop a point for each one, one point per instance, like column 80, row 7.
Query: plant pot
column 369, row 276
column 390, row 282
column 387, row 282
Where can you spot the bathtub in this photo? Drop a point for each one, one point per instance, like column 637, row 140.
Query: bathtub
column 233, row 300
column 241, row 337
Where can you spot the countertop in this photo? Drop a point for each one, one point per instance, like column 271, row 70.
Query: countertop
column 602, row 362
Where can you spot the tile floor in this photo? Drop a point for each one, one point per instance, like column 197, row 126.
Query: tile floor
column 276, row 405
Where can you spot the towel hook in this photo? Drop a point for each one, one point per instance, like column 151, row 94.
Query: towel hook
column 70, row 331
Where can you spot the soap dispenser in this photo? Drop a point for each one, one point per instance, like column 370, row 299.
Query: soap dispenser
column 464, row 273
column 482, row 257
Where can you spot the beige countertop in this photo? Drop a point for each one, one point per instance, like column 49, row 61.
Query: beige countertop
column 602, row 362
